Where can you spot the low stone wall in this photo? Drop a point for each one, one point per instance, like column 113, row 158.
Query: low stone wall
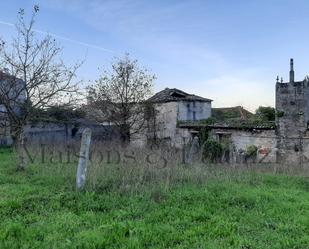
column 293, row 150
column 264, row 140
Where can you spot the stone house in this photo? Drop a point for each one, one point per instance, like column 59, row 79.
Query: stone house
column 172, row 106
column 180, row 116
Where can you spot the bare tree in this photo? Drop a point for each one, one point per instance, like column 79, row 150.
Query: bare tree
column 33, row 76
column 119, row 97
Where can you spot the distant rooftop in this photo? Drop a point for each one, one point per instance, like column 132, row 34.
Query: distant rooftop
column 235, row 112
column 174, row 94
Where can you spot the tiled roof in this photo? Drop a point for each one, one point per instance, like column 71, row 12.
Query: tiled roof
column 173, row 94
column 231, row 112
column 244, row 125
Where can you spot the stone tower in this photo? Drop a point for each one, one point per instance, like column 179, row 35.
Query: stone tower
column 292, row 108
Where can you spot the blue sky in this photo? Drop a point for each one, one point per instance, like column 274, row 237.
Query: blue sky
column 229, row 51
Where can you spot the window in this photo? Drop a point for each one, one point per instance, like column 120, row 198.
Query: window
column 194, row 116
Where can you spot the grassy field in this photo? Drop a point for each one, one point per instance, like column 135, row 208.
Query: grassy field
column 252, row 211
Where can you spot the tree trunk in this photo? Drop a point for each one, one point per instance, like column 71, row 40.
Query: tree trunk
column 19, row 145
column 125, row 135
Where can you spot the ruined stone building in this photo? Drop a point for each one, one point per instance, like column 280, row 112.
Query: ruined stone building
column 172, row 106
column 179, row 117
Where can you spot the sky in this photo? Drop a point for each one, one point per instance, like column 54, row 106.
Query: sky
column 228, row 51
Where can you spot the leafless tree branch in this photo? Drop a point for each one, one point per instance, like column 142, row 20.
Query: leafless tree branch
column 119, row 97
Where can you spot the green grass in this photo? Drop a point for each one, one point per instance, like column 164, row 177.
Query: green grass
column 253, row 211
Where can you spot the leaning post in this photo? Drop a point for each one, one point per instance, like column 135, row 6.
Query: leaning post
column 83, row 159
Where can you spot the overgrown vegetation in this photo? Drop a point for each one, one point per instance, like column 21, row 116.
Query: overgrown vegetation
column 40, row 209
column 266, row 113
column 203, row 135
column 212, row 151
column 240, row 118
column 251, row 150
column 230, row 113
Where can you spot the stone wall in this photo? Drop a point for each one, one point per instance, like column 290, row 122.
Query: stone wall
column 292, row 105
column 167, row 119
column 264, row 140
column 165, row 127
column 193, row 110
column 47, row 133
column 167, row 115
column 303, row 155
column 55, row 133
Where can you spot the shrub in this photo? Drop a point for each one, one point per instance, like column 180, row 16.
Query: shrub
column 266, row 113
column 212, row 150
column 203, row 135
column 251, row 150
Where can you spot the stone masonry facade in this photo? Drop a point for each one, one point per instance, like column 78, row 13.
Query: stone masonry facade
column 292, row 106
